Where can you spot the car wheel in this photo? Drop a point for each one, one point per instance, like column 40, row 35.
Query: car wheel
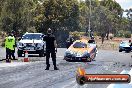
column 41, row 53
column 89, row 59
column 94, row 57
column 120, row 50
column 19, row 53
column 96, row 52
column 127, row 51
column 67, row 60
column 44, row 54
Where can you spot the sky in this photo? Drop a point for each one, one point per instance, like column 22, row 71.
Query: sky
column 125, row 4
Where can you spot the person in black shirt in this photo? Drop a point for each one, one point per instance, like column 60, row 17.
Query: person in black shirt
column 91, row 35
column 102, row 37
column 69, row 41
column 51, row 48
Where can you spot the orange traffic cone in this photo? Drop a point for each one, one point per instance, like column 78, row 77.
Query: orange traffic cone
column 26, row 59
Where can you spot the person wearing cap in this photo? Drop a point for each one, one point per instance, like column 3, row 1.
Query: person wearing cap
column 9, row 45
column 51, row 48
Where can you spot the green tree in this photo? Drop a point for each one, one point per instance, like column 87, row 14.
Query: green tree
column 56, row 14
column 16, row 15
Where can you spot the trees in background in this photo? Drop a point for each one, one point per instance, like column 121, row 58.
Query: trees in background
column 58, row 15
column 16, row 15
column 129, row 16
column 62, row 15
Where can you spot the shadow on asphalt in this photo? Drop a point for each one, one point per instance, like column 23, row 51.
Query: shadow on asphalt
column 33, row 56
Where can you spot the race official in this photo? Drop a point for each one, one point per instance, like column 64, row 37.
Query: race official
column 13, row 50
column 51, row 48
column 10, row 47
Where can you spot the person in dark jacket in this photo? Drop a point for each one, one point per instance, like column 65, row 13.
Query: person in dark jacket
column 69, row 41
column 102, row 37
column 91, row 35
column 51, row 48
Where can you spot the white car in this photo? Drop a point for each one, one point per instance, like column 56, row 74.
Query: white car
column 125, row 46
column 33, row 43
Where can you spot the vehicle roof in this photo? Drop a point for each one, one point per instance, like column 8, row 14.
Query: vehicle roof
column 82, row 40
column 33, row 33
column 125, row 41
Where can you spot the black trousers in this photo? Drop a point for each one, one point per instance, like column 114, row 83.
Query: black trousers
column 53, row 56
column 10, row 53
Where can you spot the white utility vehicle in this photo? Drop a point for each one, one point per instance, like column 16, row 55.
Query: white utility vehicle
column 33, row 43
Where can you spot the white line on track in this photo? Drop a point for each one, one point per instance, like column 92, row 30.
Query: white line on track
column 13, row 64
column 122, row 85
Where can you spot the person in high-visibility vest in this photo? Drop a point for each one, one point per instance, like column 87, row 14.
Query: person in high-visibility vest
column 10, row 47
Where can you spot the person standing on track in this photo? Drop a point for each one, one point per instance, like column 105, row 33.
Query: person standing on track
column 13, row 50
column 10, row 46
column 51, row 48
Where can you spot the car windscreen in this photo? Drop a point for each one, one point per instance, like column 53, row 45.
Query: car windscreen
column 124, row 42
column 80, row 45
column 32, row 36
